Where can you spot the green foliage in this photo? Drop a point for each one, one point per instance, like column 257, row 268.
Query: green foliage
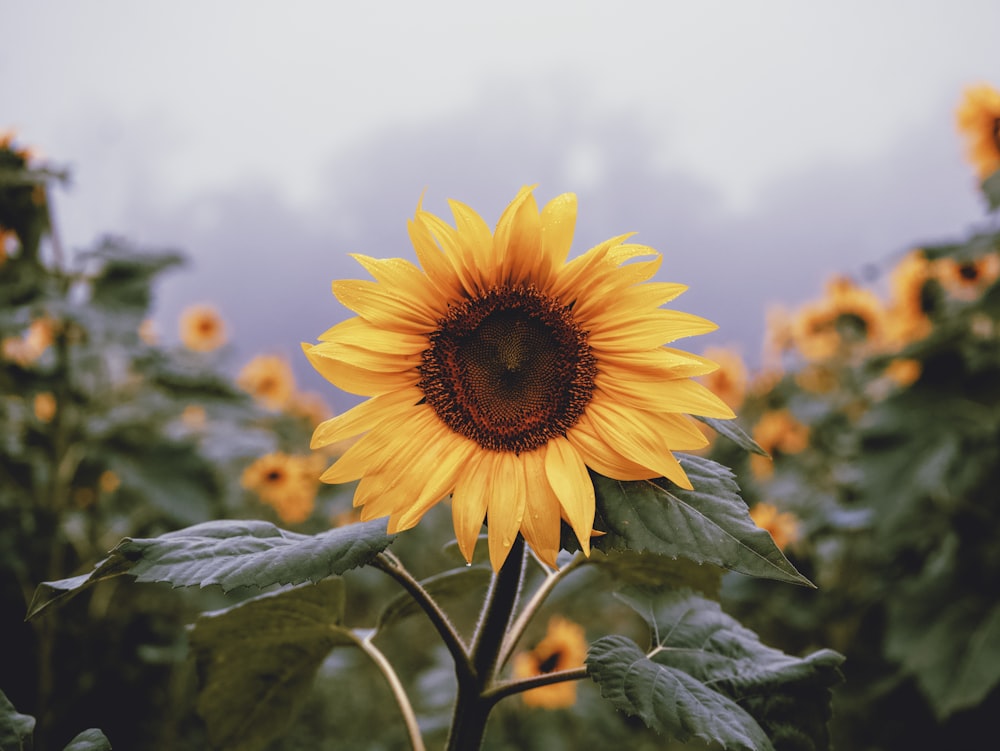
column 229, row 554
column 16, row 731
column 710, row 524
column 703, row 672
column 257, row 661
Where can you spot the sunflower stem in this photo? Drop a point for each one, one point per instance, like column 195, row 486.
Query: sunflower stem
column 396, row 686
column 473, row 704
column 391, row 565
column 507, row 688
column 552, row 578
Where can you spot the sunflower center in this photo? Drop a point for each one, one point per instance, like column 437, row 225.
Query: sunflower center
column 549, row 663
column 510, row 369
column 968, row 271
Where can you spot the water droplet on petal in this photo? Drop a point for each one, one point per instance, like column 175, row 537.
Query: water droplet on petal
column 468, row 564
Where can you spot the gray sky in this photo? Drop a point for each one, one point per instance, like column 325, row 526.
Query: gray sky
column 758, row 145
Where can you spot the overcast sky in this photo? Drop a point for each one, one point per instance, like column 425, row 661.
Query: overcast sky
column 759, row 145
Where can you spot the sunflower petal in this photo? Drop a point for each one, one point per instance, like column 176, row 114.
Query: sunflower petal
column 541, row 523
column 505, row 511
column 567, row 476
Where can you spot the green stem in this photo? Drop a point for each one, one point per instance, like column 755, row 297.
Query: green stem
column 389, row 564
column 536, row 601
column 502, row 690
column 472, row 705
column 402, row 700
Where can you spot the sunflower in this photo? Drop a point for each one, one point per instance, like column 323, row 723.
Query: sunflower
column 777, row 432
column 269, row 379
column 202, row 329
column 27, row 349
column 912, row 299
column 978, row 119
column 783, row 526
column 564, row 647
column 499, row 373
column 286, row 483
column 966, row 280
column 729, row 382
column 846, row 317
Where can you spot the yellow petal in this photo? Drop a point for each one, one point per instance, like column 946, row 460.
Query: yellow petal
column 434, row 262
column 365, row 416
column 366, row 359
column 357, row 332
column 469, row 502
column 634, row 440
column 568, row 478
column 517, row 239
column 558, row 226
column 645, row 332
column 602, row 458
column 357, row 380
column 505, row 511
column 404, row 279
column 386, row 308
column 541, row 523
column 451, row 455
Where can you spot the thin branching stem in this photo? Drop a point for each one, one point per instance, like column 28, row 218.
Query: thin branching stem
column 405, row 707
column 501, row 690
column 391, row 565
column 552, row 578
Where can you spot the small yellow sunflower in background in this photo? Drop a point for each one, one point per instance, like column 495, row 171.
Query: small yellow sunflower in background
column 907, row 318
column 783, row 526
column 286, row 483
column 847, row 316
column 729, row 381
column 44, row 406
column 202, row 328
column 564, row 647
column 966, row 280
column 777, row 432
column 28, row 348
column 499, row 373
column 978, row 119
column 269, row 380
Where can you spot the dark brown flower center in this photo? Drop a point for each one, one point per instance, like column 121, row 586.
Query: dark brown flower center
column 549, row 663
column 510, row 369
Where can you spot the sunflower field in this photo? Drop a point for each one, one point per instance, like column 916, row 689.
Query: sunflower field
column 499, row 548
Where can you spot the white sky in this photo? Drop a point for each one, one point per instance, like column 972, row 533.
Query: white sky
column 178, row 97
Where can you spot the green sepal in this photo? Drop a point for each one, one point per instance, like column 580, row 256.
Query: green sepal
column 230, row 554
column 257, row 661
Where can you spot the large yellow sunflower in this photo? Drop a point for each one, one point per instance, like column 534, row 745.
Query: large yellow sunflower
column 499, row 373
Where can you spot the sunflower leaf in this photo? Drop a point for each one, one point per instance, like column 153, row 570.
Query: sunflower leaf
column 257, row 661
column 15, row 728
column 89, row 740
column 649, row 569
column 231, row 554
column 710, row 524
column 732, row 430
column 708, row 677
column 457, row 582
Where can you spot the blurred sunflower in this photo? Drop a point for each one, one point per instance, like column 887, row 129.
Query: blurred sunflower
column 911, row 299
column 729, row 381
column 564, row 647
column 978, row 119
column 777, row 432
column 269, row 379
column 499, row 373
column 966, row 280
column 783, row 526
column 846, row 317
column 202, row 328
column 286, row 483
column 44, row 406
column 26, row 349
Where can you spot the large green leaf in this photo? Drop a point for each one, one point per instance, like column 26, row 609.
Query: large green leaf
column 257, row 661
column 15, row 728
column 649, row 569
column 230, row 554
column 708, row 677
column 710, row 524
column 669, row 700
